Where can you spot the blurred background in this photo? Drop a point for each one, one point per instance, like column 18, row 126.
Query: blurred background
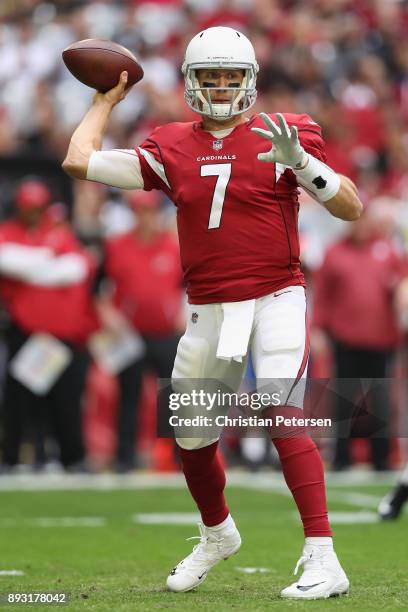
column 101, row 321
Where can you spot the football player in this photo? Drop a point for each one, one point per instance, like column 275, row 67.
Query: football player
column 234, row 179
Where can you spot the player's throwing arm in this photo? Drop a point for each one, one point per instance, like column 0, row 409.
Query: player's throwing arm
column 337, row 193
column 112, row 70
column 87, row 138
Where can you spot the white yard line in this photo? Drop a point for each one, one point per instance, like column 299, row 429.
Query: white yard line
column 191, row 518
column 273, row 480
column 352, row 518
column 98, row 482
column 264, row 481
column 166, row 518
column 55, row 521
column 361, row 500
column 253, row 570
column 347, row 518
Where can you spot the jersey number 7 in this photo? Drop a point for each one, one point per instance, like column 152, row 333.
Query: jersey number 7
column 223, row 171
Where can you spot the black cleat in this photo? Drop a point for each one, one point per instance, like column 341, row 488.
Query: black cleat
column 391, row 506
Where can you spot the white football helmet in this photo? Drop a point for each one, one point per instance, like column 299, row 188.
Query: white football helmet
column 220, row 47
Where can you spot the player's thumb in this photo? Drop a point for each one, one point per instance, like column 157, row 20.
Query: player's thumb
column 266, row 157
column 120, row 87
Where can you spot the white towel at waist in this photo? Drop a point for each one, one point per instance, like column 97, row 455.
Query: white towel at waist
column 235, row 330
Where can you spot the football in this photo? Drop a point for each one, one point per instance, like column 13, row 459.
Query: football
column 98, row 63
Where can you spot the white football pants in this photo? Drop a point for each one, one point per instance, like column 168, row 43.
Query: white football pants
column 279, row 345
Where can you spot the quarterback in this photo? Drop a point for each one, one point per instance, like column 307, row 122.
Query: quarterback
column 234, row 179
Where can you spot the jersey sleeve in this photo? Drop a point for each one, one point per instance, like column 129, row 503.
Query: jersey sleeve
column 310, row 137
column 118, row 168
column 152, row 164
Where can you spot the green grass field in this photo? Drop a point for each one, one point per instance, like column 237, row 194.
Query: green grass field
column 121, row 565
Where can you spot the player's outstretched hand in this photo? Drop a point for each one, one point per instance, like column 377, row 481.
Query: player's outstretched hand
column 286, row 148
column 115, row 95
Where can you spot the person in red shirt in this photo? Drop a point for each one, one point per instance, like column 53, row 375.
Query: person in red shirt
column 392, row 505
column 354, row 304
column 143, row 265
column 237, row 209
column 45, row 285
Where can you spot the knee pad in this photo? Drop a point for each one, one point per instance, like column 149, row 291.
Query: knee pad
column 191, row 356
column 282, row 329
column 194, row 443
column 281, row 341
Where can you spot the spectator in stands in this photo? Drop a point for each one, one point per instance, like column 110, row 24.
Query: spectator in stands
column 354, row 304
column 144, row 268
column 45, row 284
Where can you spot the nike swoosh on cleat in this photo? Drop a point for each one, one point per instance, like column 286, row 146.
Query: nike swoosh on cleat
column 309, row 586
column 199, row 577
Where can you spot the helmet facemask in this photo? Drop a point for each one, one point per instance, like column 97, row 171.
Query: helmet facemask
column 242, row 98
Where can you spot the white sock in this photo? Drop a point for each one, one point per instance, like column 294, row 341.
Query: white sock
column 320, row 541
column 226, row 524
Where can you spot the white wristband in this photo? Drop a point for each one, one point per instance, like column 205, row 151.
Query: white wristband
column 317, row 178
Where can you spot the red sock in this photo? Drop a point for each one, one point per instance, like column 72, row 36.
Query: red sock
column 205, row 477
column 303, row 471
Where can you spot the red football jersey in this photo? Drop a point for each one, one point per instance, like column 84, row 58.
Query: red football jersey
column 237, row 217
column 65, row 312
column 148, row 282
column 343, row 295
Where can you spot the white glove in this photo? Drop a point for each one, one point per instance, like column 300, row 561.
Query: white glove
column 286, row 148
